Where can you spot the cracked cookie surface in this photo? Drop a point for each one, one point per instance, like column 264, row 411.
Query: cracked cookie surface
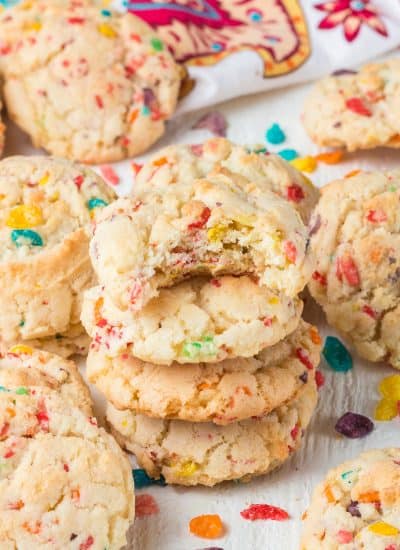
column 197, row 320
column 214, row 226
column 86, row 83
column 222, row 393
column 189, row 453
column 184, row 163
column 357, row 505
column 63, row 479
column 356, row 240
column 356, row 111
column 46, row 211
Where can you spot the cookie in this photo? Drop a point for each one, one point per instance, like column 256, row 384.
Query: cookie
column 225, row 392
column 64, row 482
column 357, row 505
column 197, row 320
column 356, row 111
column 220, row 225
column 86, row 83
column 189, row 453
column 22, row 366
column 75, row 341
column 46, row 211
column 356, row 240
column 184, row 163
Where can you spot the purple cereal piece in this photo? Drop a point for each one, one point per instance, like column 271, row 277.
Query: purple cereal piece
column 354, row 425
column 352, row 508
column 149, row 98
column 341, row 72
column 213, row 121
column 304, row 377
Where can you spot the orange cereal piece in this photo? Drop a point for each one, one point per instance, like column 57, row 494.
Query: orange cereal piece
column 352, row 173
column 209, row 526
column 371, row 496
column 329, row 495
column 332, row 157
column 160, row 162
column 315, row 336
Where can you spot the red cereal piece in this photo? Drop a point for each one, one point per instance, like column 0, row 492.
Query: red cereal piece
column 344, row 537
column 267, row 322
column 303, row 357
column 290, row 251
column 264, row 511
column 99, row 102
column 369, row 311
column 201, row 222
column 320, row 278
column 357, row 105
column 295, row 193
column 87, row 543
column 376, row 216
column 42, row 416
column 76, row 20
column 145, row 505
column 136, row 167
column 295, row 431
column 216, row 282
column 79, row 180
column 319, row 379
column 209, row 526
column 109, row 174
column 345, row 266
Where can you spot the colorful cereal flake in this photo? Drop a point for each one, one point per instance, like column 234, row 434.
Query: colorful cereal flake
column 389, row 406
column 208, row 526
column 145, row 505
column 213, row 121
column 141, row 479
column 336, row 355
column 354, row 425
column 264, row 511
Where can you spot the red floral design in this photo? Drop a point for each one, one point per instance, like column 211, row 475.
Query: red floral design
column 352, row 14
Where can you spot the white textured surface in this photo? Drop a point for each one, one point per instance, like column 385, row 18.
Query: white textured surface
column 290, row 487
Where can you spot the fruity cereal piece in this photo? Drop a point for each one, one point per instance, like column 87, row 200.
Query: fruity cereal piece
column 336, row 355
column 264, row 511
column 389, row 406
column 209, row 526
column 354, row 425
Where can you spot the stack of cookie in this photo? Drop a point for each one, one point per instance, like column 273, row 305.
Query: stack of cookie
column 46, row 210
column 197, row 337
column 64, row 482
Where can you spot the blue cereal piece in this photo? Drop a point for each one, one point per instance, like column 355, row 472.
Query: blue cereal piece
column 26, row 237
column 336, row 355
column 142, row 480
column 275, row 135
column 95, row 202
column 288, row 154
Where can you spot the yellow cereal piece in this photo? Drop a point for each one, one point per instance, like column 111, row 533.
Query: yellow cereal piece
column 385, row 410
column 106, row 30
column 390, row 387
column 21, row 349
column 25, row 216
column 304, row 164
column 273, row 300
column 216, row 233
column 44, row 179
column 188, row 469
column 384, row 529
column 54, row 197
column 33, row 26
